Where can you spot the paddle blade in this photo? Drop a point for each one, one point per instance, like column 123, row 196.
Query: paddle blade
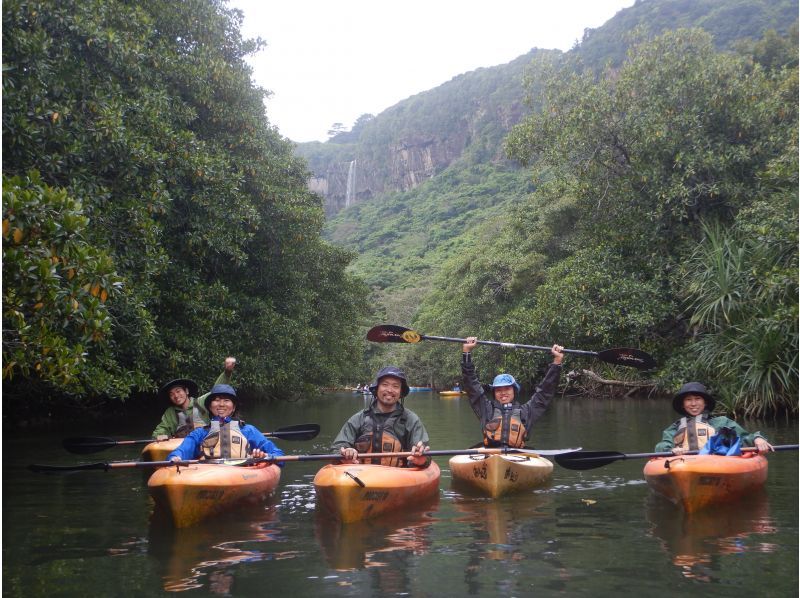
column 389, row 333
column 86, row 445
column 296, row 432
column 588, row 459
column 628, row 357
column 67, row 468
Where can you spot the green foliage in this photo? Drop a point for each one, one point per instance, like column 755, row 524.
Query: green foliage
column 57, row 288
column 145, row 113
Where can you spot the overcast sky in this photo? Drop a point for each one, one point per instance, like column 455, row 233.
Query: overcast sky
column 330, row 61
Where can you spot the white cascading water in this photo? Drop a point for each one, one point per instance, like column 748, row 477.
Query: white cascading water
column 351, row 179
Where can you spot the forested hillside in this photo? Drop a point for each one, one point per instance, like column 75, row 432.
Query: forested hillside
column 652, row 203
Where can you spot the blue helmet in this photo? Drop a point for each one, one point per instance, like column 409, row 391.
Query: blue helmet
column 505, row 380
column 221, row 389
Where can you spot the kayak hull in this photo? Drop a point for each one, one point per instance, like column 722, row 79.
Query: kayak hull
column 496, row 475
column 696, row 482
column 158, row 450
column 382, row 489
column 450, row 393
column 190, row 494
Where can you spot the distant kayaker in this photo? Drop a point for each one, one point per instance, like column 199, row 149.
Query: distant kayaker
column 504, row 420
column 225, row 437
column 386, row 426
column 186, row 413
column 696, row 426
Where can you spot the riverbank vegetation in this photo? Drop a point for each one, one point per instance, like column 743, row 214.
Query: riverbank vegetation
column 153, row 220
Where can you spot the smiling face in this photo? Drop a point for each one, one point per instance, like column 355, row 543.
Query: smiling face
column 694, row 404
column 504, row 394
column 178, row 396
column 222, row 406
column 389, row 392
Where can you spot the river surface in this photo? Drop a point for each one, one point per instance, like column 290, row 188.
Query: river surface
column 592, row 533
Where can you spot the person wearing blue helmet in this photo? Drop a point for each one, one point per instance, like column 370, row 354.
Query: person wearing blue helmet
column 505, row 421
column 225, row 437
column 386, row 426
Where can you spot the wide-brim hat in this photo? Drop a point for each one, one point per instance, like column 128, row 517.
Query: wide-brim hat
column 692, row 388
column 189, row 385
column 221, row 389
column 395, row 372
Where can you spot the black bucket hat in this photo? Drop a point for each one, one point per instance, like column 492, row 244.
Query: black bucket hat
column 189, row 385
column 395, row 372
column 692, row 388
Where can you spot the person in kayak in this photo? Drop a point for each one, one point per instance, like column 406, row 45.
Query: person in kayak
column 186, row 413
column 505, row 421
column 696, row 426
column 386, row 426
column 224, row 437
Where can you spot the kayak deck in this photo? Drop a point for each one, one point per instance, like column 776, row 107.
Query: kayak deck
column 193, row 493
column 496, row 475
column 362, row 491
column 159, row 449
column 695, row 482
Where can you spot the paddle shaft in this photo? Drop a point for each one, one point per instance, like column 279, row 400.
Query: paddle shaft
column 92, row 444
column 285, row 458
column 507, row 345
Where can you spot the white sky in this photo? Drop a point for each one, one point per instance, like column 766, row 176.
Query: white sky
column 330, row 61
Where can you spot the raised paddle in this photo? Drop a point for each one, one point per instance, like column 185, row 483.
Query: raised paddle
column 593, row 459
column 86, row 445
column 389, row 333
column 284, row 458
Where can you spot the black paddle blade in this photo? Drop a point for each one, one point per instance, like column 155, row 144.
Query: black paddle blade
column 296, row 432
column 67, row 468
column 86, row 445
column 628, row 357
column 588, row 459
column 389, row 333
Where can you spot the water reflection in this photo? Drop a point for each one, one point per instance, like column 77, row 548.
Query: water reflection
column 205, row 556
column 695, row 542
column 376, row 543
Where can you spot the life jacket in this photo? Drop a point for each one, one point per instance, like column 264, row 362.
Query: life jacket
column 505, row 427
column 693, row 432
column 188, row 420
column 225, row 441
column 382, row 437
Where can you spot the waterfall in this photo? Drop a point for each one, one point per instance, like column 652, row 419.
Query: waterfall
column 351, row 183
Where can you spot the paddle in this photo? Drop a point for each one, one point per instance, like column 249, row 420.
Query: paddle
column 593, row 459
column 389, row 333
column 284, row 458
column 85, row 445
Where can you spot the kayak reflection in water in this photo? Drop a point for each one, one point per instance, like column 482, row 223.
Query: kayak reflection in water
column 225, row 437
column 696, row 426
column 385, row 426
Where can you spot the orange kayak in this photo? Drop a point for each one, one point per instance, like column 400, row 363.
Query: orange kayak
column 497, row 475
column 450, row 393
column 158, row 450
column 697, row 481
column 192, row 493
column 355, row 492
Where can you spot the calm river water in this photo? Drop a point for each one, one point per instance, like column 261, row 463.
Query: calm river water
column 593, row 533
